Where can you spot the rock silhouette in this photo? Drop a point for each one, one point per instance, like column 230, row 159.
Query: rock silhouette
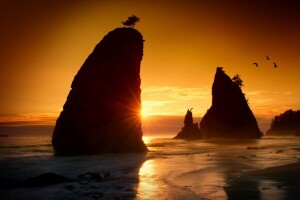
column 229, row 116
column 287, row 123
column 190, row 131
column 46, row 179
column 102, row 111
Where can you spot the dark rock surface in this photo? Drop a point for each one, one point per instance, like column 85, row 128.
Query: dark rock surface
column 53, row 178
column 94, row 176
column 4, row 135
column 46, row 179
column 229, row 116
column 101, row 114
column 190, row 131
column 287, row 123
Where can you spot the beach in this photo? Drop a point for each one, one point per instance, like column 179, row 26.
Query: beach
column 280, row 182
column 172, row 169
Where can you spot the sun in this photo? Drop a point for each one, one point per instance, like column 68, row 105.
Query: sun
column 145, row 112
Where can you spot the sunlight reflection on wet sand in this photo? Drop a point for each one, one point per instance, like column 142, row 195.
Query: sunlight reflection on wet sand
column 170, row 176
column 148, row 185
column 203, row 169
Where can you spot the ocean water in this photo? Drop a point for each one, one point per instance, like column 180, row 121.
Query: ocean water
column 172, row 169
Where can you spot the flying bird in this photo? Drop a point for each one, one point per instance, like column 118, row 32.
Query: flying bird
column 268, row 58
column 256, row 64
column 275, row 66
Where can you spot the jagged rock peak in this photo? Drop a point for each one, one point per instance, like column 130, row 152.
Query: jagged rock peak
column 101, row 114
column 229, row 116
column 190, row 130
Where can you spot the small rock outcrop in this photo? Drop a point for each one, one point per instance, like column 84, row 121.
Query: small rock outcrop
column 90, row 176
column 102, row 111
column 190, row 130
column 46, row 179
column 229, row 116
column 287, row 123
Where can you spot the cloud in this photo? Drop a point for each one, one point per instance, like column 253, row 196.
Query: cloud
column 267, row 102
column 257, row 93
column 164, row 125
column 175, row 100
column 271, row 110
column 178, row 93
column 191, row 93
column 156, row 103
column 28, row 119
column 261, row 101
column 266, row 92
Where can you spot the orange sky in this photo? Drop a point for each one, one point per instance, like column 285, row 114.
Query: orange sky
column 44, row 43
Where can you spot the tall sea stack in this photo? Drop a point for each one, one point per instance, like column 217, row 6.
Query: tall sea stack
column 229, row 116
column 102, row 111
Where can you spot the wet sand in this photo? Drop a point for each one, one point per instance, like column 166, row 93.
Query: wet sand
column 280, row 182
column 223, row 169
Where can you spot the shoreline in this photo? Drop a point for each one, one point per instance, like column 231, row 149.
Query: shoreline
column 172, row 169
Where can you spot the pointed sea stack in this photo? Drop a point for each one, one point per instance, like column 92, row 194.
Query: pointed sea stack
column 190, row 131
column 101, row 114
column 229, row 116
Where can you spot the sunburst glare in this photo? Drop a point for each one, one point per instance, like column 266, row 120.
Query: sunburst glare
column 145, row 111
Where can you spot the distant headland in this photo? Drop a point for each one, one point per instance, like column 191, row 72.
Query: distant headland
column 287, row 123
